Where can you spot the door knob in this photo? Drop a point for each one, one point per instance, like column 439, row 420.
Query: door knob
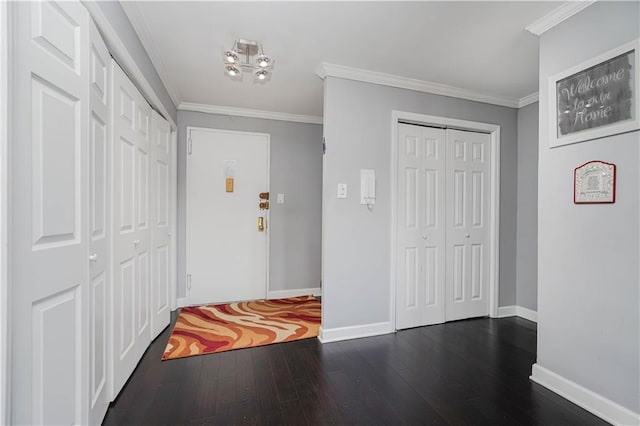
column 136, row 242
column 93, row 257
column 424, row 237
column 467, row 235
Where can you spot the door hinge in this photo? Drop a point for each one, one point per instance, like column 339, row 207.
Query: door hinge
column 189, row 146
column 189, row 282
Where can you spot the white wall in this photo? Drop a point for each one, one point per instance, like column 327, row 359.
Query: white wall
column 588, row 255
column 357, row 243
column 296, row 171
column 527, row 239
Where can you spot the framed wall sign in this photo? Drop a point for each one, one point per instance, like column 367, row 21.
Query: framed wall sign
column 596, row 98
column 594, row 182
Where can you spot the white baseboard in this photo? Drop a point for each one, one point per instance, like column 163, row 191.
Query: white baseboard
column 354, row 332
column 282, row 294
column 506, row 311
column 517, row 311
column 528, row 314
column 595, row 403
column 181, row 302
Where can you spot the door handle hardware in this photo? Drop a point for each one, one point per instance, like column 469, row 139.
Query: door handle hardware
column 260, row 224
column 136, row 242
column 264, row 195
column 93, row 257
column 424, row 237
column 264, row 205
column 467, row 235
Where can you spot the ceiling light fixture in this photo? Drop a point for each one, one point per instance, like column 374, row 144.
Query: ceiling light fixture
column 261, row 67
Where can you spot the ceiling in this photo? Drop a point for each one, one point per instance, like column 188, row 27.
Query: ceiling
column 481, row 47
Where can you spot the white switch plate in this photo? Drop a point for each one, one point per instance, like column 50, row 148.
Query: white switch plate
column 342, row 190
column 280, row 199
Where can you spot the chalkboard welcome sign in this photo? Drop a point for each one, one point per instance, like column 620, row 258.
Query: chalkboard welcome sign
column 596, row 98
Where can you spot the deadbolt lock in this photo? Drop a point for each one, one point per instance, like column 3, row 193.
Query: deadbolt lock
column 264, row 195
column 264, row 205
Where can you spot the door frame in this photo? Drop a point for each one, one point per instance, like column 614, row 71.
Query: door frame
column 189, row 129
column 494, row 204
column 5, row 137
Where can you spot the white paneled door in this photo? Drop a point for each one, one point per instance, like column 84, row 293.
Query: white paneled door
column 467, row 211
column 49, row 205
column 161, row 217
column 99, row 267
column 226, row 249
column 421, row 225
column 442, row 225
column 132, row 199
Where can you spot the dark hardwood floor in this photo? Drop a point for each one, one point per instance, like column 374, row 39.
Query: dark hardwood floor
column 473, row 372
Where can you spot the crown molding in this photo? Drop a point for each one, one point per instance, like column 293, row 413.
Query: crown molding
column 135, row 15
column 332, row 70
column 528, row 100
column 251, row 113
column 557, row 15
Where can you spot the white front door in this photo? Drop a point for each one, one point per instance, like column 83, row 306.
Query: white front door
column 98, row 225
column 131, row 121
column 442, row 225
column 161, row 217
column 468, row 189
column 420, row 226
column 226, row 249
column 49, row 205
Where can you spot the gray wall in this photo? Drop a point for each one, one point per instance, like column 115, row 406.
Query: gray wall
column 527, row 240
column 588, row 255
column 296, row 171
column 120, row 22
column 357, row 243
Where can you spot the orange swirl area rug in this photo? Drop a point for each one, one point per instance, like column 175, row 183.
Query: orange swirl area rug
column 208, row 329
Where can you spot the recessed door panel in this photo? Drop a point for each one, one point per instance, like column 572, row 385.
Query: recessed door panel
column 98, row 184
column 411, row 276
column 142, row 292
column 56, row 32
column 126, row 169
column 98, row 337
column 127, row 284
column 143, row 189
column 56, row 363
column 55, row 139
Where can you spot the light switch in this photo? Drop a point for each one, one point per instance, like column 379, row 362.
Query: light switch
column 342, row 190
column 280, row 199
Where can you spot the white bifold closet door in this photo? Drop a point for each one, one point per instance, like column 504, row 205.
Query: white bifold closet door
column 99, row 269
column 132, row 199
column 161, row 218
column 49, row 207
column 442, row 222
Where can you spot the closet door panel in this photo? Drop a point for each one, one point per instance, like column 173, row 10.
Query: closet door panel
column 160, row 220
column 49, row 205
column 131, row 231
column 99, row 270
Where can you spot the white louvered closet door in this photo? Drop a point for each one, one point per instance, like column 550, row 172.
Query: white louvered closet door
column 131, row 201
column 49, row 206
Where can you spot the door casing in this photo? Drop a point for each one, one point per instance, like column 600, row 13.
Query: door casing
column 494, row 204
